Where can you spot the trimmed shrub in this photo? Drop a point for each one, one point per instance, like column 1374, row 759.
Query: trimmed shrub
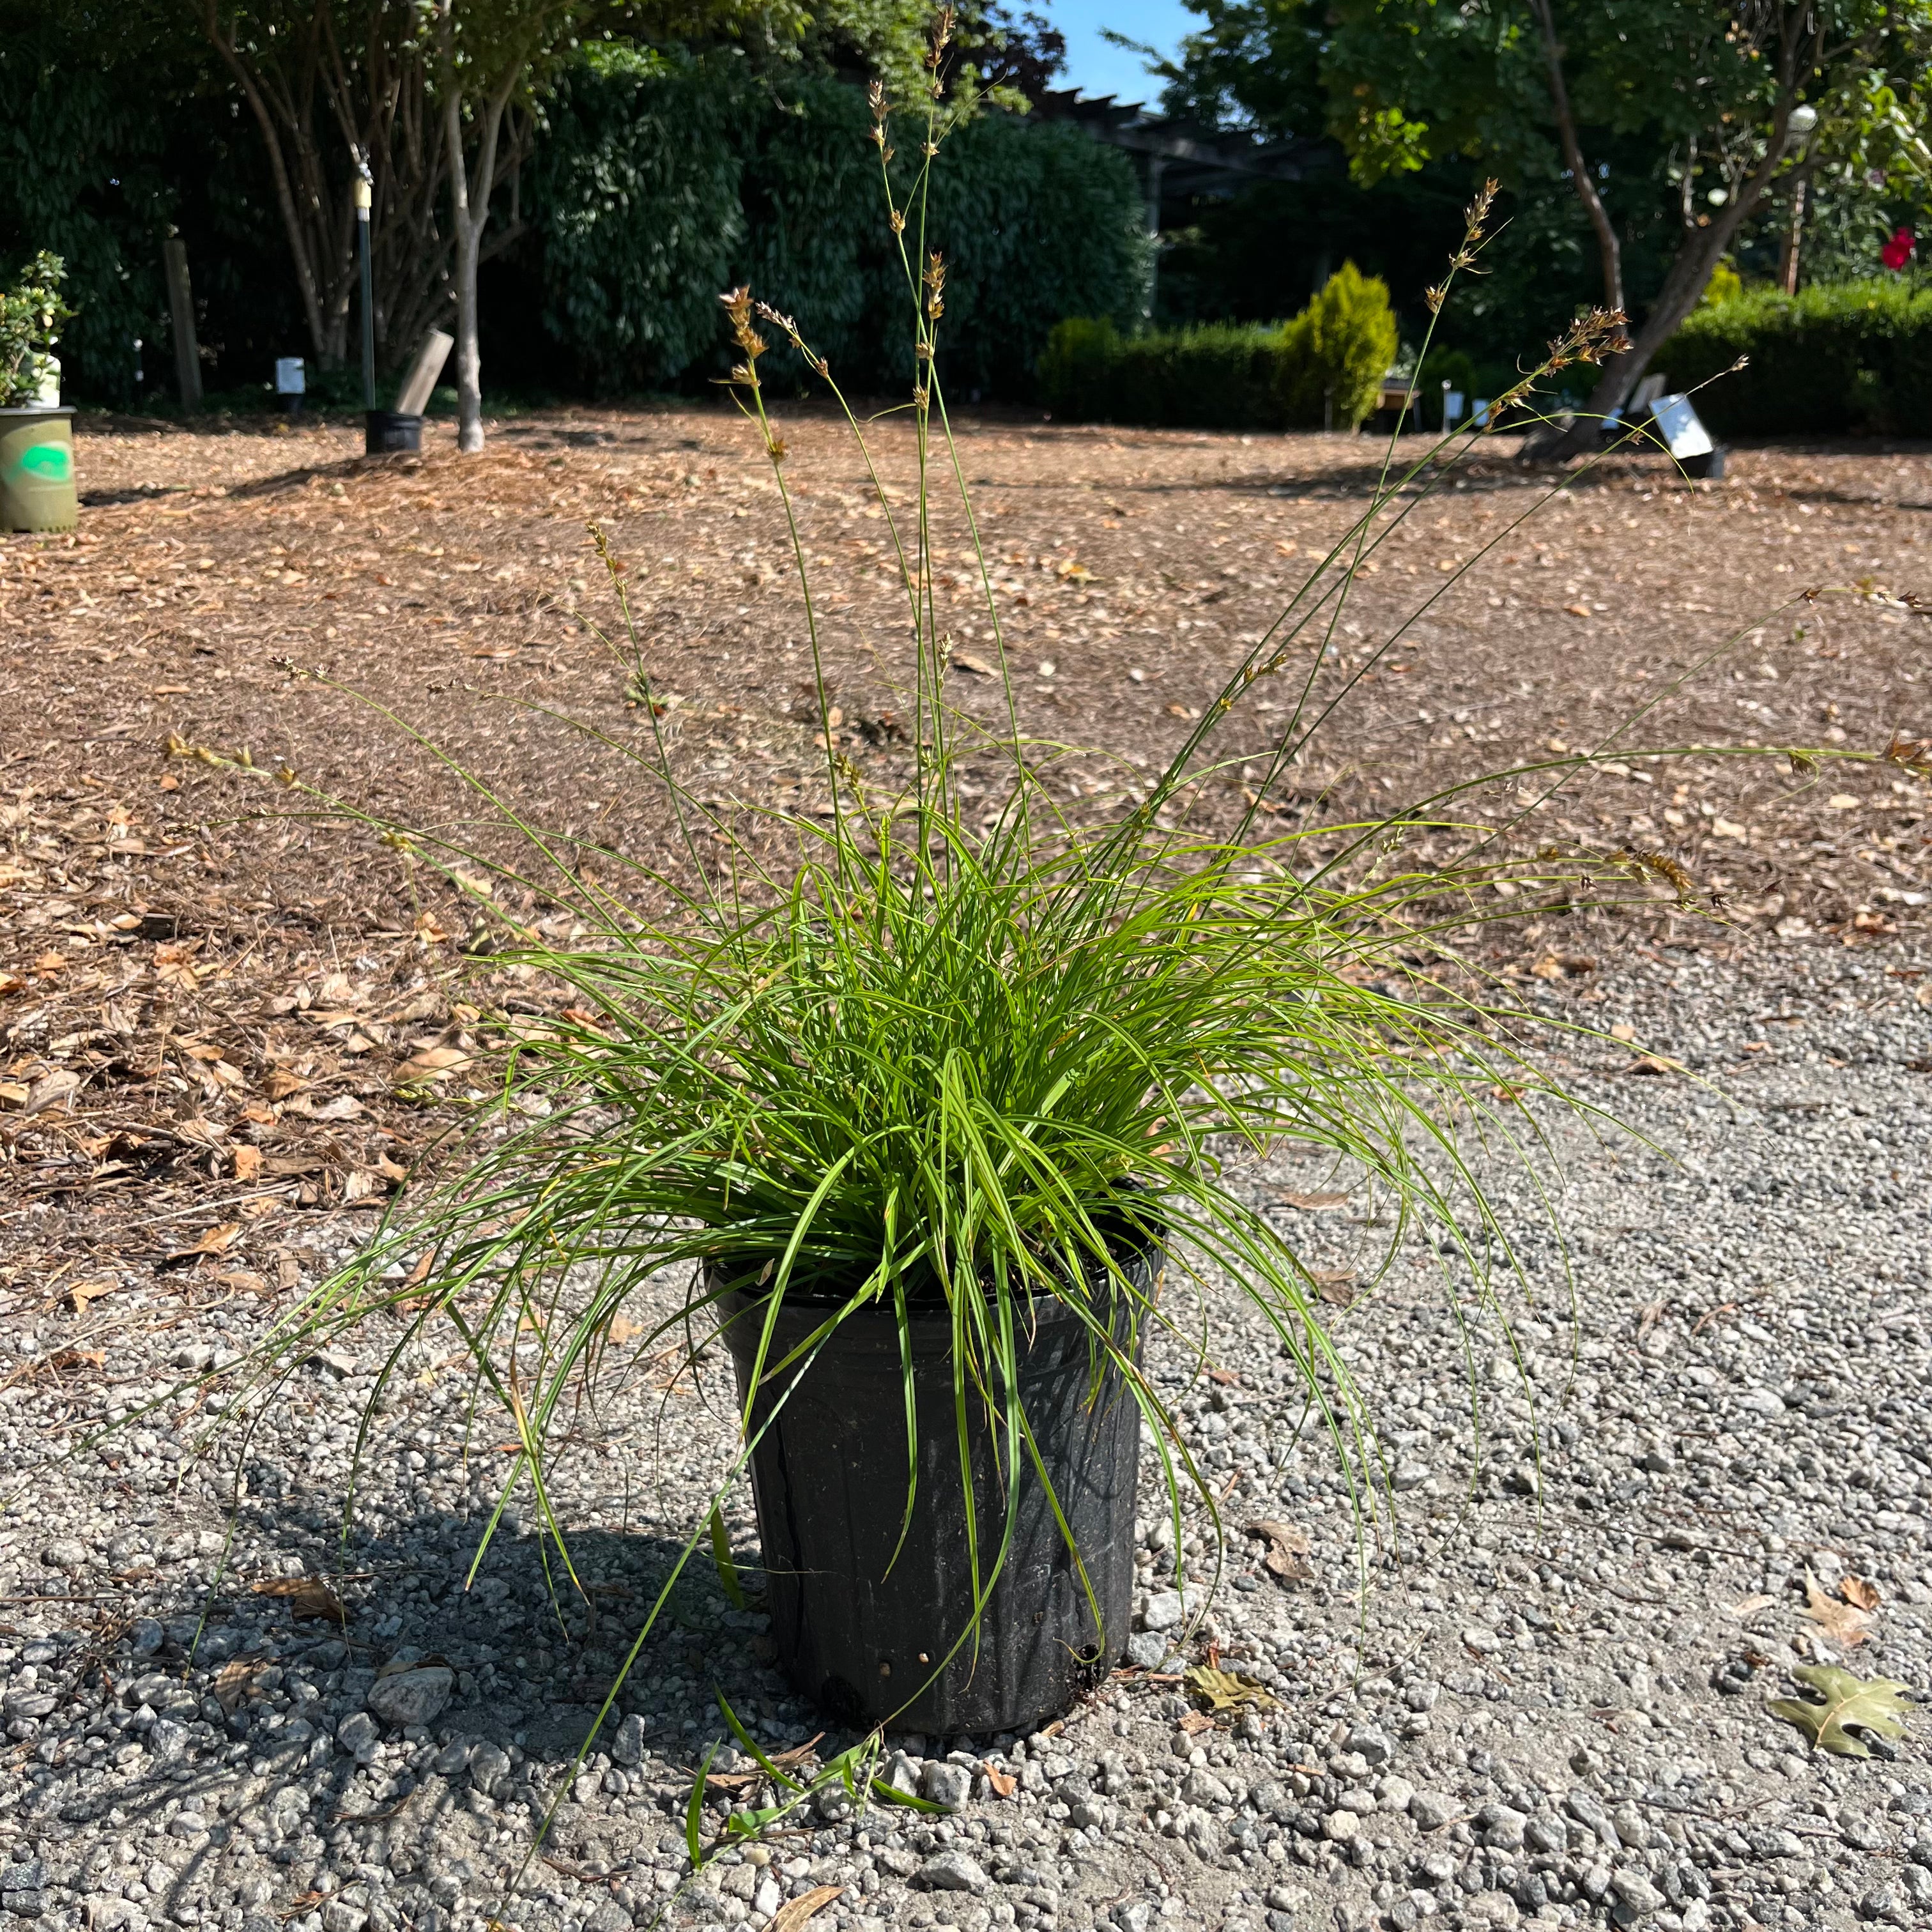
column 1227, row 375
column 1076, row 368
column 1854, row 356
column 1220, row 376
column 1337, row 350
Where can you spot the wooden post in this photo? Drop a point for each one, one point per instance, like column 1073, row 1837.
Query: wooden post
column 419, row 385
column 181, row 315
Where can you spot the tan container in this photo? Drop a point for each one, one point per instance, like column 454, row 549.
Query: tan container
column 36, row 491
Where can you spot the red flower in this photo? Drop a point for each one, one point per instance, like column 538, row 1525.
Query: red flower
column 1898, row 251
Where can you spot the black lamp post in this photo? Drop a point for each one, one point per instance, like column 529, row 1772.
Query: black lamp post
column 363, row 197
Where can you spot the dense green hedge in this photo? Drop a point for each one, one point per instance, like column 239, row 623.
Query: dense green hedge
column 1328, row 362
column 659, row 184
column 82, row 176
column 1855, row 356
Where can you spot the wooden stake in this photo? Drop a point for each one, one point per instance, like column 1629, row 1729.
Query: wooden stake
column 419, row 385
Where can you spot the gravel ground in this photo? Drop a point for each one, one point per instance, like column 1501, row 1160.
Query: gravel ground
column 1552, row 1707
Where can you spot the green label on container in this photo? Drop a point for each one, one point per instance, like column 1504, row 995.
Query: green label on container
column 50, row 462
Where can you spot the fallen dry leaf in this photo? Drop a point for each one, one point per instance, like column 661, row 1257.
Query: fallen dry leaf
column 1287, row 1555
column 309, row 1598
column 248, row 1162
column 1335, row 1284
column 1003, row 1784
column 966, row 661
column 735, row 1783
column 1315, row 1203
column 54, row 1090
column 430, row 1062
column 1844, row 1623
column 218, row 1240
column 83, row 1292
column 278, row 1083
column 235, row 1680
column 1195, row 1722
column 1749, row 1606
column 1860, row 1591
column 795, row 1911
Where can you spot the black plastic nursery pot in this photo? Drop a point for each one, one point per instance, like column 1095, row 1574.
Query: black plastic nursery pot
column 387, row 431
column 861, row 1634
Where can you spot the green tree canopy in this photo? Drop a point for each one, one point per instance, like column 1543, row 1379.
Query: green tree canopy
column 1698, row 95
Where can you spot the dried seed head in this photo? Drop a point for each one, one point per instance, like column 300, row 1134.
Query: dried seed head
column 737, row 305
column 898, row 221
column 1478, row 213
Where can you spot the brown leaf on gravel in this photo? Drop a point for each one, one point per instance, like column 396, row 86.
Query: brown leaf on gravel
column 1003, row 1784
column 1287, row 1555
column 795, row 1911
column 217, row 1241
column 1335, row 1284
column 309, row 1600
column 1860, row 1592
column 1314, row 1204
column 1844, row 1623
column 978, row 666
column 278, row 1083
column 83, row 1292
column 235, row 1680
column 248, row 1162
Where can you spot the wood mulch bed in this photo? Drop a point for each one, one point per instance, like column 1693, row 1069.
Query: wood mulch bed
column 216, row 1017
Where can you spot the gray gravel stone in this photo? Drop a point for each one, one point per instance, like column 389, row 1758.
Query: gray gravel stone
column 409, row 1697
column 1432, row 1810
column 953, row 1871
column 1631, row 1888
column 1164, row 1610
column 950, row 1785
column 357, row 1735
column 627, row 1744
column 489, row 1769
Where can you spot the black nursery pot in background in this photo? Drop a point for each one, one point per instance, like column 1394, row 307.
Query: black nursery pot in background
column 859, row 1633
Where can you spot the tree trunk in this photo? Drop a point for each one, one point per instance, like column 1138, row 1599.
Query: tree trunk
column 1794, row 232
column 469, row 353
column 1609, row 248
column 469, row 198
column 1800, row 38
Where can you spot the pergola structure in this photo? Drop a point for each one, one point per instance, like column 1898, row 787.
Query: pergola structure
column 1180, row 160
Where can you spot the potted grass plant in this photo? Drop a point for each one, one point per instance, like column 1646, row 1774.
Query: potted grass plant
column 936, row 1112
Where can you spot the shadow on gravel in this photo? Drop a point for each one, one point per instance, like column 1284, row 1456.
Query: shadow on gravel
column 255, row 1707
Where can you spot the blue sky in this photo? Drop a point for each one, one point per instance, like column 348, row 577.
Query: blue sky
column 1098, row 67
